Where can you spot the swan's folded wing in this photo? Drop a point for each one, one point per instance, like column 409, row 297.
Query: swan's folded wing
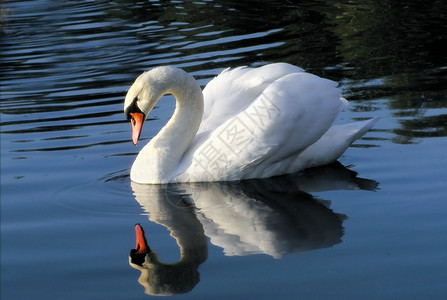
column 233, row 90
column 332, row 144
column 289, row 115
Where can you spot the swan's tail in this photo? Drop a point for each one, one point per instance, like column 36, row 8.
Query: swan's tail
column 332, row 144
column 358, row 129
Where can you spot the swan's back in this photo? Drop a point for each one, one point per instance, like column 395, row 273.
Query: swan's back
column 258, row 122
column 234, row 89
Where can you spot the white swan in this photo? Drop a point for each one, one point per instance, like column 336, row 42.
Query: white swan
column 247, row 123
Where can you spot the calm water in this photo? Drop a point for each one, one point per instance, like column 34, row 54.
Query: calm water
column 373, row 226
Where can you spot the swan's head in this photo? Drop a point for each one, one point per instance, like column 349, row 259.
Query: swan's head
column 140, row 100
column 138, row 254
column 159, row 278
column 149, row 87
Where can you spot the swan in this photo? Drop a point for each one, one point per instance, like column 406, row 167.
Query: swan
column 246, row 123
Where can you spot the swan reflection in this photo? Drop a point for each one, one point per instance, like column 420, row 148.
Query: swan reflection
column 271, row 216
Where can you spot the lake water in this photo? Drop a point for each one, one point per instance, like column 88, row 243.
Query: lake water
column 373, row 226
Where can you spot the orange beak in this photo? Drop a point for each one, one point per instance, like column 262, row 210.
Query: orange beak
column 141, row 244
column 136, row 120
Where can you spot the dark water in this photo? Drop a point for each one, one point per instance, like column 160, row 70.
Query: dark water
column 373, row 226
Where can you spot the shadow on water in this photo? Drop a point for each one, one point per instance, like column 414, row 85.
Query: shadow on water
column 274, row 216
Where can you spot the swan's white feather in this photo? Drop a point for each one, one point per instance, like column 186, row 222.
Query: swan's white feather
column 259, row 123
column 234, row 89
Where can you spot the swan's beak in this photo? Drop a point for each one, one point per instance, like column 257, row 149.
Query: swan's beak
column 141, row 244
column 136, row 120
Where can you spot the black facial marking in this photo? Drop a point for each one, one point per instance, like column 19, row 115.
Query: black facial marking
column 132, row 108
column 137, row 258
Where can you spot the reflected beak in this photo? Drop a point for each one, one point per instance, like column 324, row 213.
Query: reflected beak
column 136, row 120
column 141, row 244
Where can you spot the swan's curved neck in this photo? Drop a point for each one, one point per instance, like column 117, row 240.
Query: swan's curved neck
column 163, row 153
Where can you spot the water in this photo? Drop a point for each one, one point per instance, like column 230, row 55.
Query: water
column 373, row 226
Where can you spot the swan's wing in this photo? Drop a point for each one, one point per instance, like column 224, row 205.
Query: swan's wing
column 330, row 146
column 325, row 150
column 289, row 114
column 234, row 89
